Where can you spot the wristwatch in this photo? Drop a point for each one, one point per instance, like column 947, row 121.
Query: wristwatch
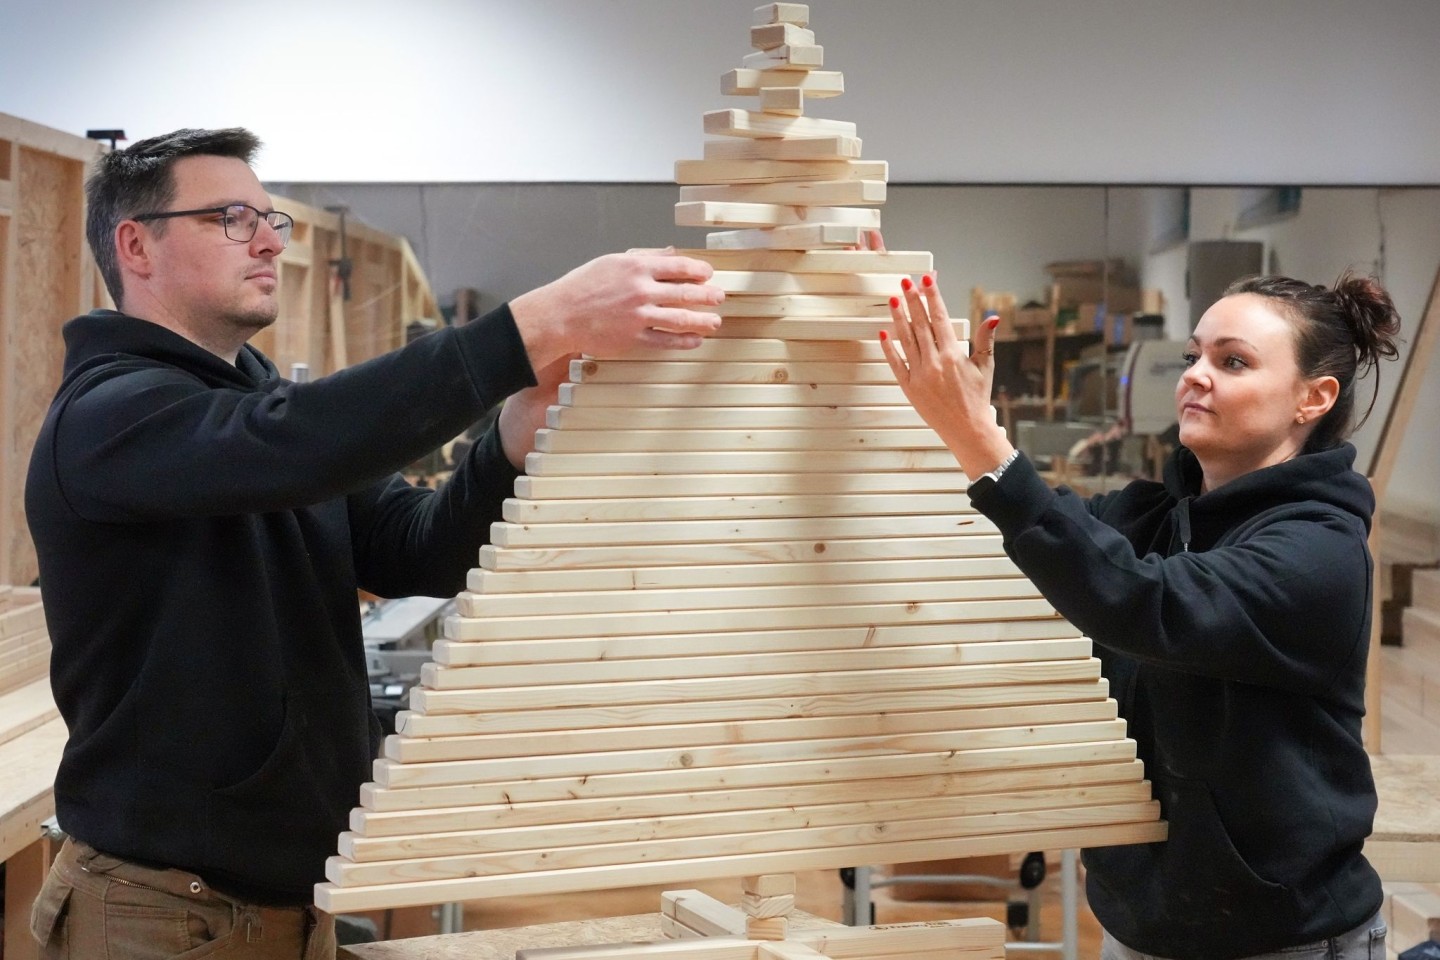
column 999, row 471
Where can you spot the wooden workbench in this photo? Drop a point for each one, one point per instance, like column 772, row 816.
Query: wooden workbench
column 1405, row 844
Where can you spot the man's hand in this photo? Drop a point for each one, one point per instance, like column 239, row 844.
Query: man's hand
column 524, row 412
column 616, row 303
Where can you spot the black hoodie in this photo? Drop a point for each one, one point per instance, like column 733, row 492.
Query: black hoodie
column 201, row 529
column 1233, row 627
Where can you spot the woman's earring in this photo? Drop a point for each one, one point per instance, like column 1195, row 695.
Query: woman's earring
column 1300, row 418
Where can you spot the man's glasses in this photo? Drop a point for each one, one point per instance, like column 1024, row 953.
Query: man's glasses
column 240, row 220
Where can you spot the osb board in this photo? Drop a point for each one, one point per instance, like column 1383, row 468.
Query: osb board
column 44, row 246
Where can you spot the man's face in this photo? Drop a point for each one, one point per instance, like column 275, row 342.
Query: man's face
column 222, row 289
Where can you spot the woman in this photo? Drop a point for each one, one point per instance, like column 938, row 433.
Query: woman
column 1230, row 606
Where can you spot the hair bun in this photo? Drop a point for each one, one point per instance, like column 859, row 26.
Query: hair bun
column 1371, row 315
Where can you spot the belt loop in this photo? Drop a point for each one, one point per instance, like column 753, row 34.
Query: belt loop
column 254, row 926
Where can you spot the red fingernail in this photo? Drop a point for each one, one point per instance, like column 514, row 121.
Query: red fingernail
column 905, row 284
column 884, row 335
column 894, row 302
column 992, row 323
column 928, row 280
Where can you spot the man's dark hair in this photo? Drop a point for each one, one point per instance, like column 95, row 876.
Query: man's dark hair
column 139, row 180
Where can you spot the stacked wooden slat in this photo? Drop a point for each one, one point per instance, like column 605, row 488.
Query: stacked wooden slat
column 740, row 618
column 32, row 737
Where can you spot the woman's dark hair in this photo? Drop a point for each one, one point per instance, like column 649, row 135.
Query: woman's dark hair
column 138, row 179
column 1342, row 332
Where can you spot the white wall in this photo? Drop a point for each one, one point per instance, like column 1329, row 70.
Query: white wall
column 979, row 91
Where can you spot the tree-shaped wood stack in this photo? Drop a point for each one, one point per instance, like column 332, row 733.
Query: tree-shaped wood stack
column 740, row 618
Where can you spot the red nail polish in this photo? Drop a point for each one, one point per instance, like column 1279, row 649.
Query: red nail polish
column 884, row 335
column 928, row 280
column 992, row 323
column 894, row 302
column 905, row 284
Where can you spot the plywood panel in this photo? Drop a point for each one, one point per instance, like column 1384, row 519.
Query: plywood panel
column 48, row 227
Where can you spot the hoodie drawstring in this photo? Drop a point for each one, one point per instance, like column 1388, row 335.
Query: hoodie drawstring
column 1183, row 519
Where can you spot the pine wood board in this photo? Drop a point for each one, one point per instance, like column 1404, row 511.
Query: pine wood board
column 806, row 56
column 662, row 531
column 802, row 305
column 833, row 683
column 809, row 193
column 812, row 328
column 583, row 602
column 701, row 914
column 27, row 788
column 515, row 510
column 816, row 236
column 698, row 441
column 518, row 511
column 22, row 619
column 699, row 213
column 796, row 13
column 690, row 173
column 865, row 636
column 734, row 372
column 440, row 677
column 969, row 939
column 732, row 575
column 807, row 148
column 729, row 418
column 335, row 899
column 1090, row 783
column 542, row 465
column 747, row 839
column 730, row 394
column 405, row 749
column 786, row 101
column 784, row 351
column 393, row 774
column 543, row 627
column 413, row 724
column 665, row 554
column 770, row 35
column 26, row 707
column 772, row 283
column 832, row 770
column 820, row 261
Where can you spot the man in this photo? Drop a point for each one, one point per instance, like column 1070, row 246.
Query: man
column 202, row 526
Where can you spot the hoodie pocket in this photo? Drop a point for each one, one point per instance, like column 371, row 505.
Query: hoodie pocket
column 283, row 756
column 1204, row 871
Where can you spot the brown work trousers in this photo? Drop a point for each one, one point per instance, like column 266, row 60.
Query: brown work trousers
column 98, row 907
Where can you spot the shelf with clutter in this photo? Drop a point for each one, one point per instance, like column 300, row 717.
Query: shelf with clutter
column 1062, row 385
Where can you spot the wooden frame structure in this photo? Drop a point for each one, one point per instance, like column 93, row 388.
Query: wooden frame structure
column 46, row 277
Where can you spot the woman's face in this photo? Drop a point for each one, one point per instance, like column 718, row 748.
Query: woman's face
column 1238, row 401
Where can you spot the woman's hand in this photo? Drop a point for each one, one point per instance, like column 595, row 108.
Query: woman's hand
column 949, row 389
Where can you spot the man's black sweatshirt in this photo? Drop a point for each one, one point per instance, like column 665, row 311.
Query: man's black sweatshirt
column 201, row 529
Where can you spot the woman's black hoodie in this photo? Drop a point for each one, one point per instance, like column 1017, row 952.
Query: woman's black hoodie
column 1233, row 626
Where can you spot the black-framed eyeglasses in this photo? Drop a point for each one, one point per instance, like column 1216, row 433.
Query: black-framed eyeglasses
column 239, row 220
